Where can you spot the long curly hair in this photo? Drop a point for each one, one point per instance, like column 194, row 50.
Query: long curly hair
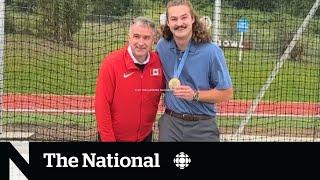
column 199, row 32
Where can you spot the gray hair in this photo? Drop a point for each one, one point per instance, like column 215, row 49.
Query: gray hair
column 144, row 21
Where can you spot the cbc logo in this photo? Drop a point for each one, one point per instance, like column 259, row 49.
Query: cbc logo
column 182, row 160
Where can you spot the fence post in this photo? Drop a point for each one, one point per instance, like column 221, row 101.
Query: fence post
column 2, row 41
column 277, row 67
column 216, row 20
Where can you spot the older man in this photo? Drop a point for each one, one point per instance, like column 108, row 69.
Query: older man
column 129, row 87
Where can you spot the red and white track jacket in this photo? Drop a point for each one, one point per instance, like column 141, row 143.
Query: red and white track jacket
column 126, row 97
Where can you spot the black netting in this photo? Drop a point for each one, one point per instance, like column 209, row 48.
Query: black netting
column 53, row 50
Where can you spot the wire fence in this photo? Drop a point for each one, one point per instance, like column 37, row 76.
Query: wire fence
column 52, row 52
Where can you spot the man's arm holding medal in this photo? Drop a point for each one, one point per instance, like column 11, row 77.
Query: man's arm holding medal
column 187, row 93
column 207, row 96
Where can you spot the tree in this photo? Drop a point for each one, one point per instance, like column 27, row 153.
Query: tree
column 114, row 8
column 23, row 5
column 268, row 6
column 62, row 17
column 294, row 7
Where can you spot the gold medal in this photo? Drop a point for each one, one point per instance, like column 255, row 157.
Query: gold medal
column 173, row 83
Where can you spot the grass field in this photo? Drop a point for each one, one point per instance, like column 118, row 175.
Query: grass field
column 88, row 121
column 38, row 66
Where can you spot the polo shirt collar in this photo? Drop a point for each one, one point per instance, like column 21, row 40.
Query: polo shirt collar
column 173, row 46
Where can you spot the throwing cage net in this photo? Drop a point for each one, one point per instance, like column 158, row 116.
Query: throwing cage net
column 52, row 50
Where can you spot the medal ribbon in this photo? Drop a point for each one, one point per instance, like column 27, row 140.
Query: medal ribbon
column 178, row 68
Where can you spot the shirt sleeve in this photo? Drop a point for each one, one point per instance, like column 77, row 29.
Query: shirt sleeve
column 219, row 73
column 103, row 98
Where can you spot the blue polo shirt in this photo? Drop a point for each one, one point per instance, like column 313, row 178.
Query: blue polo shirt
column 204, row 69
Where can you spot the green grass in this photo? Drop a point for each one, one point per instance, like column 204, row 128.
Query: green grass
column 45, row 118
column 88, row 120
column 268, row 122
column 35, row 65
column 296, row 81
column 271, row 122
column 47, row 67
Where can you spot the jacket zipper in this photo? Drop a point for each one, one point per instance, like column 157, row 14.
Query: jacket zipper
column 141, row 89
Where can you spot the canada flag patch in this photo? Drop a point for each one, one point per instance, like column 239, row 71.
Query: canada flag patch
column 155, row 72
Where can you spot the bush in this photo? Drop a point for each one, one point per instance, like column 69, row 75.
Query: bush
column 9, row 26
column 63, row 18
column 114, row 8
column 23, row 5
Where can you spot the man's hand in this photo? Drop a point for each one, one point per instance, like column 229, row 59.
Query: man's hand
column 206, row 96
column 184, row 92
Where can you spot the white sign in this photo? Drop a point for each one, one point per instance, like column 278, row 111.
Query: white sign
column 229, row 43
